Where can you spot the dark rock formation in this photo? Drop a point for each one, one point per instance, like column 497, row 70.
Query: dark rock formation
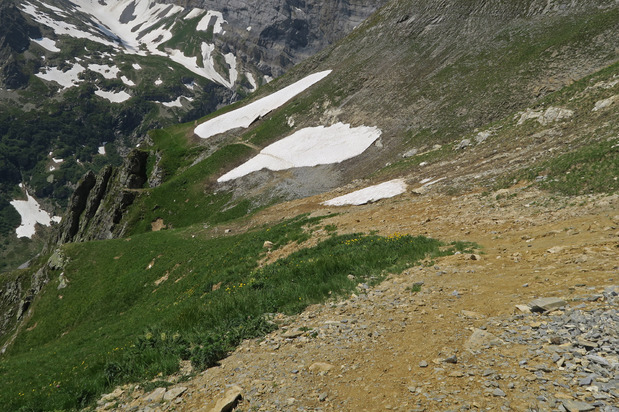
column 284, row 32
column 98, row 204
column 15, row 35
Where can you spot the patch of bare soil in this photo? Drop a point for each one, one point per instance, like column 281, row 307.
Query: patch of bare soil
column 389, row 348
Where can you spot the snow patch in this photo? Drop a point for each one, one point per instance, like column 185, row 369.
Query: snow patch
column 113, row 97
column 109, row 72
column 31, row 214
column 231, row 61
column 308, row 147
column 66, row 79
column 47, row 44
column 219, row 21
column 158, row 82
column 136, row 66
column 101, row 150
column 370, row 194
column 127, row 81
column 246, row 115
column 194, row 13
column 252, row 81
column 177, row 102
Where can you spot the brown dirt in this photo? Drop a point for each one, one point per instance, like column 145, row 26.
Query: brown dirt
column 557, row 247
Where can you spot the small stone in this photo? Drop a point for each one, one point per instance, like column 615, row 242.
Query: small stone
column 321, row 367
column 267, row 245
column 293, row 333
column 229, row 401
column 323, row 396
column 423, row 364
column 156, row 395
column 174, row 393
column 475, row 257
column 498, row 392
column 451, row 359
column 577, row 406
column 481, row 339
column 546, row 304
column 456, row 374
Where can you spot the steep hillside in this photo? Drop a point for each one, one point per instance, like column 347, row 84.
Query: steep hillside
column 490, row 125
column 81, row 82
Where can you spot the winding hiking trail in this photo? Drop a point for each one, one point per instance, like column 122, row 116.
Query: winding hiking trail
column 388, row 348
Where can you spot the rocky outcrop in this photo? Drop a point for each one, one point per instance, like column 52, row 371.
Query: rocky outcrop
column 98, row 204
column 15, row 35
column 274, row 35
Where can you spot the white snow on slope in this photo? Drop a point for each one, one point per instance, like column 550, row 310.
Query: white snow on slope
column 194, row 13
column 109, row 72
column 219, row 21
column 47, row 44
column 231, row 61
column 177, row 102
column 136, row 66
column 31, row 214
column 101, row 150
column 308, row 147
column 370, row 194
column 113, row 97
column 65, row 79
column 127, row 81
column 246, row 115
column 61, row 27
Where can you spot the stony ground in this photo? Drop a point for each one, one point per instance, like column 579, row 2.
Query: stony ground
column 464, row 341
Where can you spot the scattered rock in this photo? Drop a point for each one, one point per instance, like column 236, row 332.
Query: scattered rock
column 423, row 364
column 267, row 245
column 321, row 367
column 546, row 304
column 155, row 396
column 174, row 393
column 229, row 401
column 577, row 406
column 480, row 339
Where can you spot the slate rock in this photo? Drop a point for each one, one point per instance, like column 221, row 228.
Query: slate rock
column 546, row 304
column 577, row 406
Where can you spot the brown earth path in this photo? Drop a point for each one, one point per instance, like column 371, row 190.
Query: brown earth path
column 364, row 353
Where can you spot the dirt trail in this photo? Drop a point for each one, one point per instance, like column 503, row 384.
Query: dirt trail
column 372, row 344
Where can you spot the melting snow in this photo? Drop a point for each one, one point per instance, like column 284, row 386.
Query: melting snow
column 31, row 214
column 101, row 150
column 158, row 82
column 194, row 13
column 231, row 61
column 127, row 81
column 252, row 81
column 308, row 147
column 246, row 115
column 47, row 44
column 219, row 20
column 177, row 102
column 65, row 79
column 370, row 194
column 136, row 66
column 109, row 72
column 113, row 96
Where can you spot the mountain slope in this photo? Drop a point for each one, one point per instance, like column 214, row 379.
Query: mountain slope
column 460, row 95
column 81, row 82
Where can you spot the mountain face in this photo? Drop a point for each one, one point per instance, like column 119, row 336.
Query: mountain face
column 81, row 82
column 463, row 103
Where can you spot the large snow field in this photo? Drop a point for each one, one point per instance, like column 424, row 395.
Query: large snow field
column 370, row 194
column 308, row 147
column 113, row 97
column 65, row 79
column 132, row 24
column 245, row 116
column 31, row 214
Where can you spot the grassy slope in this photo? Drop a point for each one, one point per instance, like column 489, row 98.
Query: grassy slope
column 133, row 307
column 113, row 312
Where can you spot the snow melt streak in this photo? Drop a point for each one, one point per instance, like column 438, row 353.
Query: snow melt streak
column 245, row 116
column 308, row 147
column 370, row 194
